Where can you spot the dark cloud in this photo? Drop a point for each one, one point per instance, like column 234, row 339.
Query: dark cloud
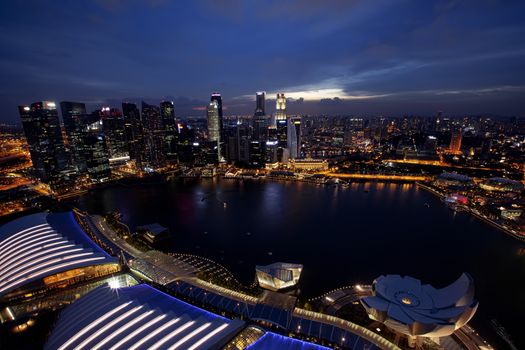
column 383, row 56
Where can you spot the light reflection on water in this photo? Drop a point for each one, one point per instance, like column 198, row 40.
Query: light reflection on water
column 341, row 235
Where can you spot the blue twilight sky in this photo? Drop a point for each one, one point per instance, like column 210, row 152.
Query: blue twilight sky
column 368, row 57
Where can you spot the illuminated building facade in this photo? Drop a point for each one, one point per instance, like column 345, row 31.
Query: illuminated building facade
column 134, row 132
column 308, row 164
column 96, row 152
column 74, row 117
column 419, row 310
column 214, row 129
column 455, row 142
column 115, row 134
column 280, row 107
column 169, row 123
column 278, row 276
column 294, row 136
column 44, row 137
column 154, row 139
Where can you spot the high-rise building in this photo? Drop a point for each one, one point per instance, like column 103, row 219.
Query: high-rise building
column 74, row 117
column 169, row 123
column 153, row 136
column 294, row 136
column 214, row 129
column 44, row 137
column 455, row 142
column 134, row 132
column 115, row 134
column 280, row 107
column 96, row 149
column 260, row 120
column 217, row 98
column 260, row 108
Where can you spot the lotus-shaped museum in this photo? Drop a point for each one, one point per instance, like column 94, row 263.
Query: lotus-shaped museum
column 409, row 307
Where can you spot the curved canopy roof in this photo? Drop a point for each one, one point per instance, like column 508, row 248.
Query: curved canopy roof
column 39, row 245
column 272, row 341
column 138, row 317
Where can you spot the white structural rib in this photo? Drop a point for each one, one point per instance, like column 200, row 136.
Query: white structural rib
column 154, row 333
column 13, row 236
column 19, row 242
column 121, row 329
column 8, row 242
column 207, row 336
column 92, row 325
column 189, row 336
column 43, row 272
column 40, row 251
column 137, row 332
column 10, row 272
column 30, row 241
column 107, row 326
column 33, row 248
column 42, row 265
column 171, row 335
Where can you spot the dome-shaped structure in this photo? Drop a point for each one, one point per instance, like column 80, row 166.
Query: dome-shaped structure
column 409, row 307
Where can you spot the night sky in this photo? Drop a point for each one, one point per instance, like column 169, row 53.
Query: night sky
column 332, row 57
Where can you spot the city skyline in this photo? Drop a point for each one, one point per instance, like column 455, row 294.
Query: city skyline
column 332, row 58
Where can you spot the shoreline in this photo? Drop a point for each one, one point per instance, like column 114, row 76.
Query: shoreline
column 476, row 215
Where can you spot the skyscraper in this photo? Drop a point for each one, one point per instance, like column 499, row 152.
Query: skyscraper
column 260, row 120
column 153, row 136
column 294, row 136
column 214, row 131
column 134, row 132
column 455, row 142
column 169, row 123
column 96, row 149
column 74, row 117
column 260, row 109
column 280, row 107
column 114, row 132
column 217, row 97
column 44, row 137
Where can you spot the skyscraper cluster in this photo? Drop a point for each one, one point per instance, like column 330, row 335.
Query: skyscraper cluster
column 150, row 138
column 97, row 142
column 266, row 139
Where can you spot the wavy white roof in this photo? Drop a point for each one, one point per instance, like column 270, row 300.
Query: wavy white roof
column 40, row 245
column 138, row 317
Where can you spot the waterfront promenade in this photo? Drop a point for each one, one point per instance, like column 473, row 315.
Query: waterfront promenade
column 167, row 270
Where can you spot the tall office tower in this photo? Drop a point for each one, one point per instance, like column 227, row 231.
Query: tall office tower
column 280, row 107
column 169, row 123
column 115, row 134
column 153, row 136
column 260, row 120
column 260, row 104
column 455, row 142
column 272, row 145
column 217, row 98
column 257, row 154
column 214, row 128
column 44, row 137
column 294, row 136
column 74, row 117
column 95, row 149
column 134, row 132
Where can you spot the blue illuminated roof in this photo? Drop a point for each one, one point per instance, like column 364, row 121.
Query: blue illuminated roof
column 272, row 341
column 138, row 317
